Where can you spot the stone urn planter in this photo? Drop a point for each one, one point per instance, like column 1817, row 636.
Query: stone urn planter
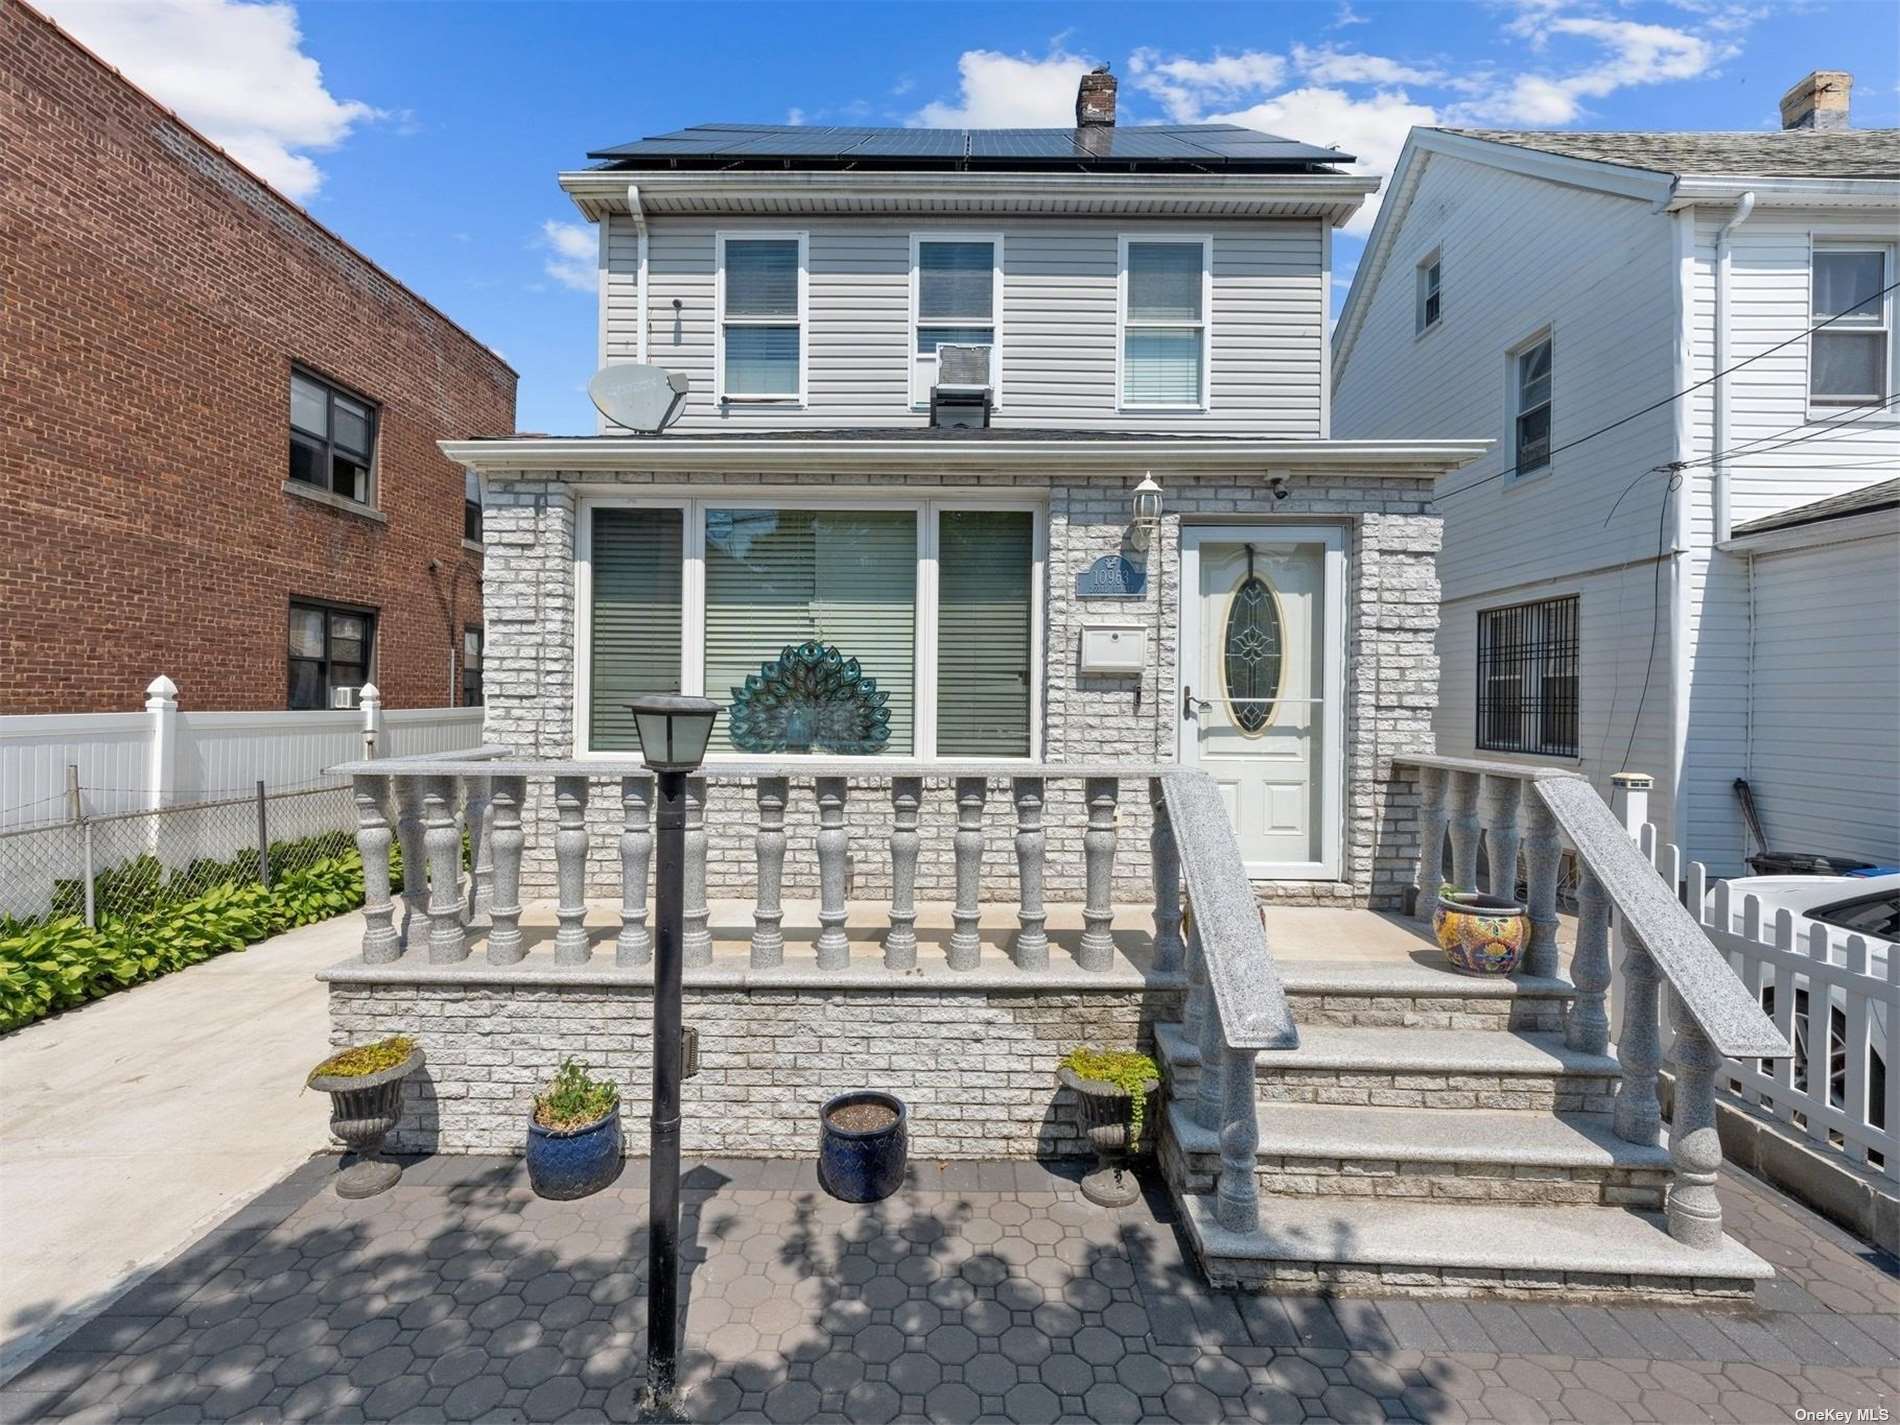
column 863, row 1145
column 1480, row 934
column 1108, row 1117
column 365, row 1102
column 575, row 1143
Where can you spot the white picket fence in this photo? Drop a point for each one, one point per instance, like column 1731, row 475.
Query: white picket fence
column 1851, row 991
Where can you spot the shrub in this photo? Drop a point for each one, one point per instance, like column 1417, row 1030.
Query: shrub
column 574, row 1099
column 361, row 1060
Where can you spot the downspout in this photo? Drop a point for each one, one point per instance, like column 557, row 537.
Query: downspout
column 640, row 257
column 1718, row 490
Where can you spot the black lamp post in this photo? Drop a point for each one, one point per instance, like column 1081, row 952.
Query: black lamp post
column 673, row 735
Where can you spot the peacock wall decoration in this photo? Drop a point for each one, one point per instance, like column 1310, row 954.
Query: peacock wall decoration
column 811, row 698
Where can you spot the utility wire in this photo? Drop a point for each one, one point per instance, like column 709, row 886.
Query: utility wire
column 1687, row 390
column 1655, row 609
column 1758, row 445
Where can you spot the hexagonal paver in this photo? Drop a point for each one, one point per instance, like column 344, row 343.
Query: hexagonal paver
column 554, row 1399
column 1024, row 1345
column 953, row 1345
column 953, row 1404
column 382, row 1365
column 879, row 1343
column 1098, row 1345
column 1111, row 1404
column 531, row 1367
column 838, row 1371
column 792, row 1402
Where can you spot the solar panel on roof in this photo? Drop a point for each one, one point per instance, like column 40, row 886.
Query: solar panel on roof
column 911, row 143
column 1023, row 143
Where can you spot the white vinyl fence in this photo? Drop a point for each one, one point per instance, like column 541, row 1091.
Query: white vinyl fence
column 84, row 795
column 1836, row 996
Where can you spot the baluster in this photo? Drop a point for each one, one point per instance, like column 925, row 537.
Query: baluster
column 834, row 948
column 570, row 870
column 443, row 844
column 1464, row 830
column 1638, row 1116
column 1097, row 949
column 695, row 930
column 381, row 943
column 966, row 945
column 1210, row 1094
column 635, row 943
column 1165, row 859
column 1694, row 1212
column 481, row 828
column 504, row 931
column 1237, row 1198
column 1032, row 941
column 1502, row 798
column 1587, row 1029
column 415, row 860
column 1543, row 854
column 768, row 938
column 1432, row 821
column 900, row 943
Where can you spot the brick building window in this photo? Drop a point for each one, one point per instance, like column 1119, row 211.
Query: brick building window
column 330, row 648
column 332, row 437
column 472, row 667
column 471, row 507
column 1527, row 678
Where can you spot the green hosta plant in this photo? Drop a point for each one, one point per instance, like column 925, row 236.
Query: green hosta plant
column 1126, row 1070
column 574, row 1099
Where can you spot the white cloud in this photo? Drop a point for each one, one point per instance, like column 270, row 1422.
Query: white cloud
column 1327, row 65
column 571, row 255
column 794, row 116
column 1186, row 87
column 1372, row 128
column 235, row 71
column 1635, row 54
column 1003, row 91
column 1347, row 16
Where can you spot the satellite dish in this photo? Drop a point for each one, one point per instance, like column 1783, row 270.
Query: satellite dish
column 641, row 398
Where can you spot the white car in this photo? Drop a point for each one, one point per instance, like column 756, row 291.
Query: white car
column 1867, row 906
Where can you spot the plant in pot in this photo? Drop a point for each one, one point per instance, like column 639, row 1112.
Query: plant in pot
column 1480, row 934
column 365, row 1087
column 863, row 1142
column 1113, row 1087
column 574, row 1139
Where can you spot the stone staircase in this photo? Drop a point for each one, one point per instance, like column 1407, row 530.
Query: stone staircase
column 1433, row 1135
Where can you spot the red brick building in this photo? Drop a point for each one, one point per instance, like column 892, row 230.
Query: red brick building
column 217, row 423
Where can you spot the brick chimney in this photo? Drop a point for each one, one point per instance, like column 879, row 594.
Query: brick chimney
column 1095, row 100
column 1818, row 102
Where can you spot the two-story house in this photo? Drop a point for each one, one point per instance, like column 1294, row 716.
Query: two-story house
column 1134, row 538
column 1680, row 557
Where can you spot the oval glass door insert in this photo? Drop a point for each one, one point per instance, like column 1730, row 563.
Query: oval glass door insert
column 1251, row 646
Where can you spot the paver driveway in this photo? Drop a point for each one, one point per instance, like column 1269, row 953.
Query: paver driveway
column 985, row 1290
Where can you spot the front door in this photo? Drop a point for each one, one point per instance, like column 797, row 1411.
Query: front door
column 1261, row 687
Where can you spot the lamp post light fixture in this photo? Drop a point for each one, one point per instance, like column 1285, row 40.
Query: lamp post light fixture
column 1147, row 511
column 673, row 732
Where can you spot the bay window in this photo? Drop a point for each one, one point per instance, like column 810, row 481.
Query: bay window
column 1850, row 360
column 956, row 298
column 761, row 322
column 914, row 626
column 1164, row 297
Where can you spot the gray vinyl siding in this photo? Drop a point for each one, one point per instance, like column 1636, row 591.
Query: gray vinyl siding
column 1059, row 322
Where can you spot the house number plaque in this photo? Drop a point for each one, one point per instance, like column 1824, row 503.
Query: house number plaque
column 1113, row 576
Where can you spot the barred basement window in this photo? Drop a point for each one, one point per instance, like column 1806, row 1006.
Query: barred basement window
column 1527, row 678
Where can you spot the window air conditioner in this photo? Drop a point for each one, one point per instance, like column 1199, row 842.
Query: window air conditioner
column 961, row 397
column 343, row 697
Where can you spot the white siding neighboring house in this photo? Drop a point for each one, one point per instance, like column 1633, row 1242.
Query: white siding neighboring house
column 1650, row 262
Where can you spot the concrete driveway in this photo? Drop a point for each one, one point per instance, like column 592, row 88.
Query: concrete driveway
column 134, row 1123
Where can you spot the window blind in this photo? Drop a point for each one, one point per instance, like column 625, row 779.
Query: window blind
column 636, row 618
column 984, row 627
column 762, row 277
column 955, row 280
column 842, row 577
column 1161, row 366
column 761, row 361
column 1164, row 281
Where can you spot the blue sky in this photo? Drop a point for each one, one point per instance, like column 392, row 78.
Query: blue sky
column 429, row 134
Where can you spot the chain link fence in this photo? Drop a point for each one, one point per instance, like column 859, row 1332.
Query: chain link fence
column 127, row 862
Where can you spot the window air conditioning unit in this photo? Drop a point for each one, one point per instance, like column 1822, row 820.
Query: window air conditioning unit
column 961, row 398
column 343, row 698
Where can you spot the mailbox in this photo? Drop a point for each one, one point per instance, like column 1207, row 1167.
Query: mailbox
column 1114, row 648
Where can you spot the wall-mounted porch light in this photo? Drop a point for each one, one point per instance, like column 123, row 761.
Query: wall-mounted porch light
column 1146, row 511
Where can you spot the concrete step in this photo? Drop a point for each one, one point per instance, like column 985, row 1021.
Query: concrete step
column 1484, row 1155
column 1392, row 1067
column 1421, row 992
column 1374, row 1245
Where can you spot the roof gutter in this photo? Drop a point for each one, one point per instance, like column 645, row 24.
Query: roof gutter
column 1367, row 458
column 1875, row 193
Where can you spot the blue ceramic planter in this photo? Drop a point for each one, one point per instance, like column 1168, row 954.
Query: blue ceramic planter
column 862, row 1166
column 577, row 1162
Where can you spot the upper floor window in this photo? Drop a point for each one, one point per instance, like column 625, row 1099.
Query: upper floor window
column 472, row 666
column 330, row 650
column 1164, row 323
column 1527, row 678
column 332, row 437
column 956, row 298
column 471, row 507
column 761, row 317
column 1850, row 362
column 1430, row 305
column 1530, row 408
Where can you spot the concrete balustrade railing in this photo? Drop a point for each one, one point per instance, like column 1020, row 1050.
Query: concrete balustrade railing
column 1511, row 808
column 1235, row 1004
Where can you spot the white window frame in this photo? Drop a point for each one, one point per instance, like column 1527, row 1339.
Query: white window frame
column 923, row 369
column 1434, row 261
column 1513, row 396
column 721, row 320
column 1122, row 324
column 693, row 604
column 1822, row 408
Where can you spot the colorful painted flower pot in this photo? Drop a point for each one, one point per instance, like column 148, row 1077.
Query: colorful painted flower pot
column 1480, row 934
